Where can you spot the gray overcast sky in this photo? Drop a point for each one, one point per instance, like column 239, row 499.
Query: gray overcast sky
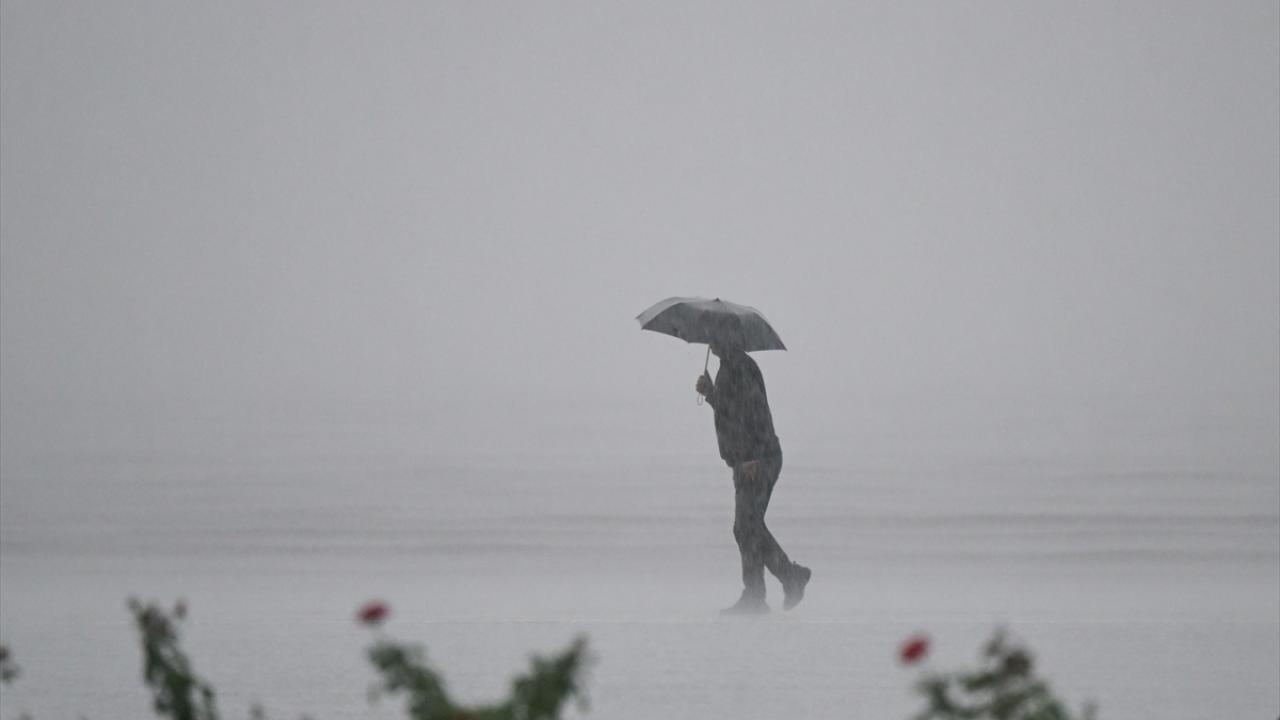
column 426, row 205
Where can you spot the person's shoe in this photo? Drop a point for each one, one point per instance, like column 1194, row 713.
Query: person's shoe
column 747, row 605
column 793, row 588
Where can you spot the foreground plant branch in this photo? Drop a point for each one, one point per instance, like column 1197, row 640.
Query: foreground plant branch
column 179, row 693
column 1003, row 687
column 538, row 695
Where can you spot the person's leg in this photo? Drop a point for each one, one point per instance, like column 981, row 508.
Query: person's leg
column 771, row 553
column 793, row 576
column 751, row 498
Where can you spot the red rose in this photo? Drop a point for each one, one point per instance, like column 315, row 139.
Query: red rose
column 916, row 647
column 373, row 612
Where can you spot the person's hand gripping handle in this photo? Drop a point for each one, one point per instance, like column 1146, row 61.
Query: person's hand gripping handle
column 704, row 386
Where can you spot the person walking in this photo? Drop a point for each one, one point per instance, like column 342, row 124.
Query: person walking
column 748, row 444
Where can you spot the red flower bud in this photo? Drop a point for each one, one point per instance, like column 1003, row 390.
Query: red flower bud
column 916, row 647
column 373, row 612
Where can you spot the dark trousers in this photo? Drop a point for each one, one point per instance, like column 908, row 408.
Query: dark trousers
column 751, row 493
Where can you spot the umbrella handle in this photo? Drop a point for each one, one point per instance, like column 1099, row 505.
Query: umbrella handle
column 705, row 362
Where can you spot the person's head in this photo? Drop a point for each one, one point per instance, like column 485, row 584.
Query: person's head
column 726, row 354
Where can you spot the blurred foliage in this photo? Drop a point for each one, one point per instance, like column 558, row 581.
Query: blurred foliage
column 538, row 695
column 1003, row 687
column 9, row 669
column 177, row 692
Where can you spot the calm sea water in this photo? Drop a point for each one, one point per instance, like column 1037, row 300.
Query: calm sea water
column 1139, row 556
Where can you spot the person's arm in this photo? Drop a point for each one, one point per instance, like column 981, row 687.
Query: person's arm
column 757, row 420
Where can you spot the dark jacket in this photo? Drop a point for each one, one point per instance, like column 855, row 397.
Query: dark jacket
column 744, row 425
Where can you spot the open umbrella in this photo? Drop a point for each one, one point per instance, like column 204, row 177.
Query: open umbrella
column 716, row 322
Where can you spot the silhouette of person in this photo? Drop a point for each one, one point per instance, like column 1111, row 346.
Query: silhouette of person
column 748, row 444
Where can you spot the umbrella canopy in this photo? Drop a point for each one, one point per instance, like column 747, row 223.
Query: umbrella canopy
column 715, row 322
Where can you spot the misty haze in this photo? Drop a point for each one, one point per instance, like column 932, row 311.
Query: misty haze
column 308, row 304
